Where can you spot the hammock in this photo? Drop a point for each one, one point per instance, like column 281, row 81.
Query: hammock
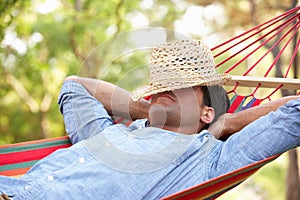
column 244, row 56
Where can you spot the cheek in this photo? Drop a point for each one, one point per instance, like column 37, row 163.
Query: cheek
column 190, row 110
column 190, row 107
column 157, row 111
column 189, row 101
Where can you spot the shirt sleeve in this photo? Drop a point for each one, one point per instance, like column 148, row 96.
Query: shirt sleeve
column 267, row 136
column 84, row 116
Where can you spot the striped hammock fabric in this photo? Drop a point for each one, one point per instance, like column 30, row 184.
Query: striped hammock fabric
column 219, row 185
column 16, row 159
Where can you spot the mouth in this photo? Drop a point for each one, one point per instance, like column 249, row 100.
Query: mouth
column 167, row 95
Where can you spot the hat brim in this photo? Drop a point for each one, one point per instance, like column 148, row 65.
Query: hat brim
column 149, row 90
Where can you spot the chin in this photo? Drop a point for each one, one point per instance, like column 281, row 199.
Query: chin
column 157, row 116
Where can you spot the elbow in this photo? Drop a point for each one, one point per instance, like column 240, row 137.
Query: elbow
column 293, row 97
column 72, row 78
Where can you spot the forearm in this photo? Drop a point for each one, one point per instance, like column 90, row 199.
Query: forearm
column 241, row 119
column 116, row 100
column 231, row 123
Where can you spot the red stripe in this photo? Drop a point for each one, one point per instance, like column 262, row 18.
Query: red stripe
column 235, row 104
column 35, row 142
column 209, row 190
column 24, row 156
column 219, row 185
column 256, row 102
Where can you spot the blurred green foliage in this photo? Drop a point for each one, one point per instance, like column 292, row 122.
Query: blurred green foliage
column 43, row 41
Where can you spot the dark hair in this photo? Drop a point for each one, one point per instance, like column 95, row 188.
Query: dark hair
column 217, row 98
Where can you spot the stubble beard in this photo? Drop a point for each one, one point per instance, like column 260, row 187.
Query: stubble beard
column 159, row 116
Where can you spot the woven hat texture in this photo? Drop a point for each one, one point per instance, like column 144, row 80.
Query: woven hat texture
column 180, row 64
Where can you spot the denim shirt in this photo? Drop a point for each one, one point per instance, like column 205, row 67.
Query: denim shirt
column 113, row 161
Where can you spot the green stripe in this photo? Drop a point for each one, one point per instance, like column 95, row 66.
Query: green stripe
column 17, row 166
column 34, row 146
column 233, row 99
column 240, row 106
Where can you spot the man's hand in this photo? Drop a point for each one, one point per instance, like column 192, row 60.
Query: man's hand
column 228, row 124
column 220, row 129
column 115, row 100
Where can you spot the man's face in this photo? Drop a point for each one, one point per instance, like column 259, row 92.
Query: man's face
column 181, row 108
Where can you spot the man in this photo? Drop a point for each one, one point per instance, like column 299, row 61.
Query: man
column 167, row 148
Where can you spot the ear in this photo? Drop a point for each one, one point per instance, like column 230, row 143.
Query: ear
column 207, row 115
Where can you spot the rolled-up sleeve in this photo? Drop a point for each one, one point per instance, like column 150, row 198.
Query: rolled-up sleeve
column 270, row 135
column 84, row 116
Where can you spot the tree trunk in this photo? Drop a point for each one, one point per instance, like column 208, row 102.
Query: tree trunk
column 293, row 182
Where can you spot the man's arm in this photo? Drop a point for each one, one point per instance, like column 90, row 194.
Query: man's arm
column 229, row 124
column 115, row 100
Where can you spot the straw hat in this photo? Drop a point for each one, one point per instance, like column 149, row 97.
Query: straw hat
column 180, row 64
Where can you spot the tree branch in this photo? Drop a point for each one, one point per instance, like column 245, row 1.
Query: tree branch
column 22, row 92
column 118, row 15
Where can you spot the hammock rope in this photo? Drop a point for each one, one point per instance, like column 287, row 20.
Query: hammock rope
column 249, row 45
column 271, row 38
column 293, row 56
column 276, row 19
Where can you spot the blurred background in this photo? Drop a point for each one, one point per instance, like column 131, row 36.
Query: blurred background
column 43, row 41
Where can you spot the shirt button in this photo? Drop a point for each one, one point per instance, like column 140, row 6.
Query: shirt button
column 27, row 187
column 130, row 136
column 50, row 178
column 81, row 160
column 107, row 144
